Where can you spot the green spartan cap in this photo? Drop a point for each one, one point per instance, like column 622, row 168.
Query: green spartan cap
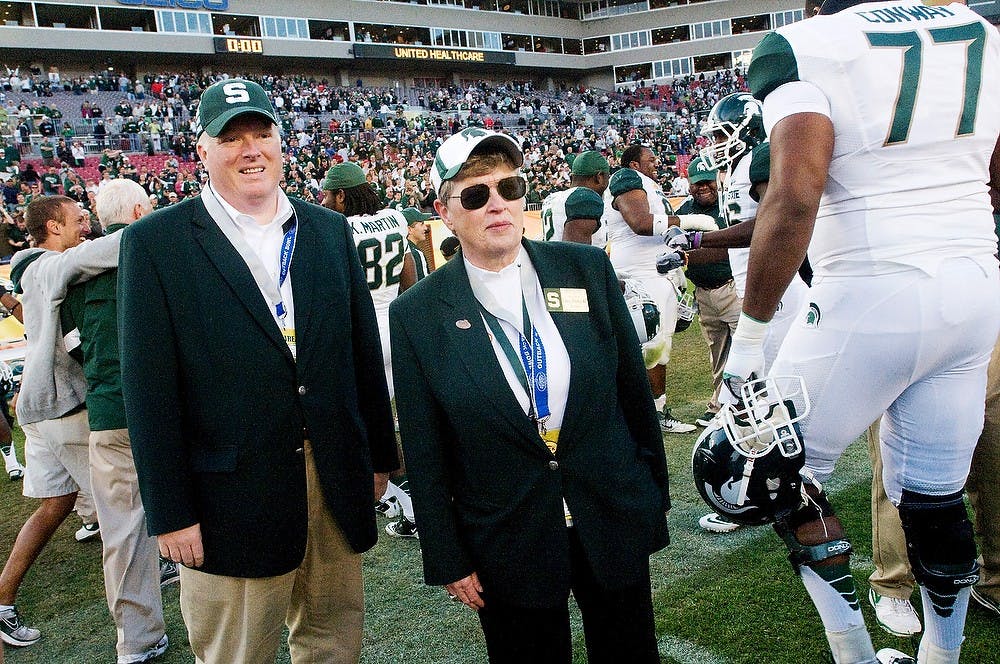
column 227, row 99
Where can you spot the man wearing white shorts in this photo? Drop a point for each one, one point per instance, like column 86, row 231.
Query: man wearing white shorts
column 50, row 406
column 884, row 151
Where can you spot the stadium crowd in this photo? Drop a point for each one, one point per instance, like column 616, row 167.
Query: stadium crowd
column 147, row 135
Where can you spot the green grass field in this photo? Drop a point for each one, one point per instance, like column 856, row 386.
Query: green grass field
column 719, row 599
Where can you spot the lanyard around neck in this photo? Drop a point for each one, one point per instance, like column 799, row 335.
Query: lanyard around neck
column 285, row 262
column 529, row 365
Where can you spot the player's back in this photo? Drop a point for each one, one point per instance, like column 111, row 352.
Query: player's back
column 913, row 93
column 381, row 242
column 574, row 203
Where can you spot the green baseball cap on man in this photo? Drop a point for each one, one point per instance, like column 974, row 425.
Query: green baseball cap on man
column 590, row 162
column 698, row 171
column 413, row 215
column 228, row 99
column 344, row 176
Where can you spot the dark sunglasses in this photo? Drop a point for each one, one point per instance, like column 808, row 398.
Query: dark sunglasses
column 476, row 196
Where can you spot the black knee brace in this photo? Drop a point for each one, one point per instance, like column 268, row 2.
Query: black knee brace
column 788, row 521
column 939, row 541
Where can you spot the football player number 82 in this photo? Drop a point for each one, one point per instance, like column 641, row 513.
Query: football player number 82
column 975, row 37
column 371, row 250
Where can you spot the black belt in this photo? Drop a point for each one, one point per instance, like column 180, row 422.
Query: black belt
column 714, row 286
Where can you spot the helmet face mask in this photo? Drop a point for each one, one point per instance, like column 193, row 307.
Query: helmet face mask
column 686, row 309
column 746, row 465
column 735, row 126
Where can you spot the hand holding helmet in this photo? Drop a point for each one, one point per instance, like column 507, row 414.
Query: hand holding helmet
column 745, row 361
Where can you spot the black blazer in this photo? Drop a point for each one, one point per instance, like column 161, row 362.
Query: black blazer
column 487, row 492
column 218, row 409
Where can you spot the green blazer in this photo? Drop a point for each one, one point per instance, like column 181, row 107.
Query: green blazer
column 487, row 492
column 217, row 408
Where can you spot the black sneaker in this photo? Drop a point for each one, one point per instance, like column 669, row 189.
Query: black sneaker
column 87, row 532
column 986, row 602
column 388, row 507
column 403, row 528
column 705, row 419
column 15, row 632
column 169, row 573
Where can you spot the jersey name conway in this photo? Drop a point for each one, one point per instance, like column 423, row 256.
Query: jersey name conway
column 908, row 178
column 633, row 255
column 738, row 205
column 381, row 242
column 564, row 206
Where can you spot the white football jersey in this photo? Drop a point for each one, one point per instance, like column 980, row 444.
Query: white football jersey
column 913, row 93
column 381, row 242
column 633, row 255
column 738, row 206
column 575, row 203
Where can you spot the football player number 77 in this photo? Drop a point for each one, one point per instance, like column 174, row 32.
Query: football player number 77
column 973, row 34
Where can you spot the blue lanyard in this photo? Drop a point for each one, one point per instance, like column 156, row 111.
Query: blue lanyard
column 285, row 262
column 534, row 371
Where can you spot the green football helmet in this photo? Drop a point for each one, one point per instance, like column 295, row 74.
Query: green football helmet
column 735, row 125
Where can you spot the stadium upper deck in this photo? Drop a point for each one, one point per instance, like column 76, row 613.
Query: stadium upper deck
column 593, row 43
column 424, row 42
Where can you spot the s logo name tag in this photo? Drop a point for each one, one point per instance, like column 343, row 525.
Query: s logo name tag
column 566, row 300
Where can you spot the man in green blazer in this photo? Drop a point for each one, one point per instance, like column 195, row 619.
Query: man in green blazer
column 535, row 456
column 255, row 398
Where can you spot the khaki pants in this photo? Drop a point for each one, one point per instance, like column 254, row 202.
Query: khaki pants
column 131, row 557
column 892, row 576
column 239, row 620
column 718, row 312
column 984, row 485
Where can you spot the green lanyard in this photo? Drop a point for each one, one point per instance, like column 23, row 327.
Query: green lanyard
column 508, row 350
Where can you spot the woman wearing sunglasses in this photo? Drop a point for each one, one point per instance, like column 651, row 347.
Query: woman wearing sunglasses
column 534, row 452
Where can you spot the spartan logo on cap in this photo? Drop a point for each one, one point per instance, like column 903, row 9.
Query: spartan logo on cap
column 471, row 133
column 236, row 93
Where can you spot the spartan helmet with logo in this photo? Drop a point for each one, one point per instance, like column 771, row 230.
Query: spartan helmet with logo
column 735, row 125
column 747, row 463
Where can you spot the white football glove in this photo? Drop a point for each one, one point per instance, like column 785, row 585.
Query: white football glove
column 697, row 222
column 745, row 361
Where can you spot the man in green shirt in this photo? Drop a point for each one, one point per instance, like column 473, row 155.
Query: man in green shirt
column 719, row 304
column 131, row 558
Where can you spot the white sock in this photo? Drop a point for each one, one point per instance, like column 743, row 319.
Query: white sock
column 403, row 498
column 839, row 613
column 944, row 631
column 661, row 402
column 853, row 646
column 6, row 607
column 931, row 654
